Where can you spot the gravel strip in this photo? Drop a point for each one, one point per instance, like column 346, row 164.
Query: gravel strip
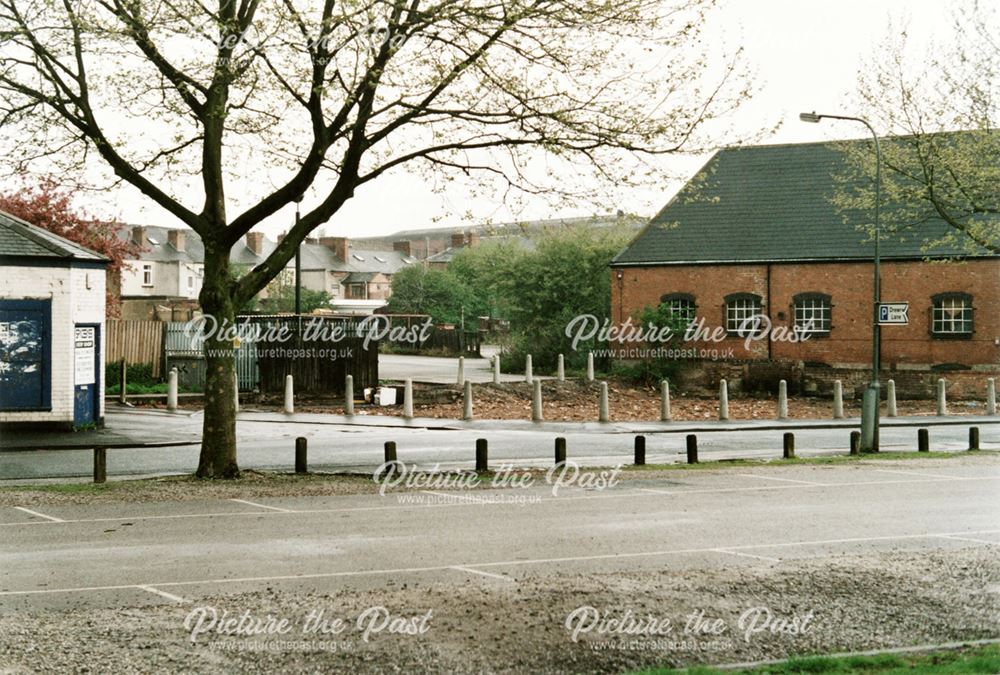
column 485, row 625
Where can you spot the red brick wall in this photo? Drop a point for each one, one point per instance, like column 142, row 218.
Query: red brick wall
column 850, row 288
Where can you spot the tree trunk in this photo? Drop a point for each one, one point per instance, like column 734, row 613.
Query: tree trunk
column 218, row 440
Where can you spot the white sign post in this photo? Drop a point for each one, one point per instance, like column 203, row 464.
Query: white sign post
column 893, row 313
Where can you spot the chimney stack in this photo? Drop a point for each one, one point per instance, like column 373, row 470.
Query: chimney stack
column 338, row 245
column 255, row 242
column 139, row 236
column 473, row 239
column 176, row 239
column 457, row 239
column 403, row 246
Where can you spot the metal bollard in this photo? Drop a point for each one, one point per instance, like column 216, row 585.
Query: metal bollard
column 461, row 371
column 349, row 395
column 408, row 399
column 603, row 409
column 942, row 398
column 692, row 449
column 590, row 366
column 561, row 369
column 123, row 377
column 723, row 400
column 100, row 465
column 890, row 399
column 973, row 438
column 855, row 442
column 640, row 450
column 289, row 395
column 467, row 401
column 301, row 459
column 560, row 450
column 528, row 376
column 172, row 390
column 838, row 400
column 536, row 402
column 991, row 396
column 390, row 452
column 923, row 441
column 482, row 456
column 788, row 445
column 782, row 400
column 496, row 369
column 664, row 401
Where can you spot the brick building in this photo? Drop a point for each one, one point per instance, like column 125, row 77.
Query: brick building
column 52, row 296
column 756, row 233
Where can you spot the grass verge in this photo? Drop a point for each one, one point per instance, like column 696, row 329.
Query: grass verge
column 982, row 659
column 805, row 461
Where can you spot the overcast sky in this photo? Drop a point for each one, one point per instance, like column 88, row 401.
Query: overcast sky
column 805, row 54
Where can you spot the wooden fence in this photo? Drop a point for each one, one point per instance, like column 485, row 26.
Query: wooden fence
column 137, row 342
column 318, row 366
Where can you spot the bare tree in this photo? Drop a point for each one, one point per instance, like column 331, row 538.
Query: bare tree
column 944, row 163
column 180, row 100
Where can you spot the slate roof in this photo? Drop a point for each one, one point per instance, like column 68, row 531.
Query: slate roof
column 314, row 256
column 771, row 203
column 21, row 239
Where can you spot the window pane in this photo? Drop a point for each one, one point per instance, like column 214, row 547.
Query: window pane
column 952, row 316
column 812, row 315
column 738, row 311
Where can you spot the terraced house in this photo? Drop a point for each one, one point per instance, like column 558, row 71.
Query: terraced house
column 164, row 281
column 756, row 233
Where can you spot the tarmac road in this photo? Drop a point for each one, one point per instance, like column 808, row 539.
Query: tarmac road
column 130, row 554
column 266, row 441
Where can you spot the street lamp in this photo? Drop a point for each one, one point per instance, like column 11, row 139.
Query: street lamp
column 870, row 402
column 298, row 266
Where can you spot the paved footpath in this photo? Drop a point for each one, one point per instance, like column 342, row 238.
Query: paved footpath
column 339, row 443
column 130, row 554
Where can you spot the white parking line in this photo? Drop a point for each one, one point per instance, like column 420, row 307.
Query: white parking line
column 748, row 555
column 764, row 488
column 978, row 541
column 163, row 594
column 480, row 572
column 913, row 473
column 51, row 519
column 262, row 506
column 502, row 563
column 787, row 480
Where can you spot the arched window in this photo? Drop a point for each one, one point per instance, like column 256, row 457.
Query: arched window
column 812, row 314
column 680, row 306
column 739, row 308
column 951, row 315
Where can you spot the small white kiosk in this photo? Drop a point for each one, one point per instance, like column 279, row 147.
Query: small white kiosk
column 51, row 329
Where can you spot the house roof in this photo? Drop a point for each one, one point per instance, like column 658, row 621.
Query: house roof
column 511, row 229
column 314, row 256
column 772, row 203
column 21, row 239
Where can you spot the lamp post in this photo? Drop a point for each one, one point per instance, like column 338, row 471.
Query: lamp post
column 870, row 402
column 298, row 265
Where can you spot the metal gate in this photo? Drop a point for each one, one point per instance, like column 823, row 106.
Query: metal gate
column 178, row 344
